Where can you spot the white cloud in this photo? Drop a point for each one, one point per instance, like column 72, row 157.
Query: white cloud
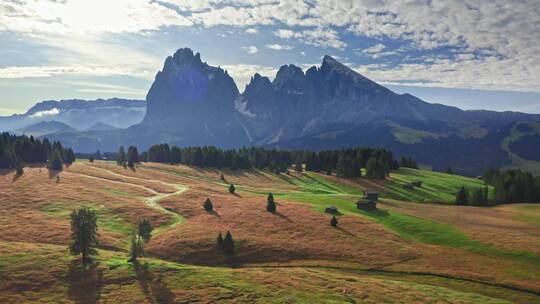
column 252, row 31
column 317, row 37
column 51, row 112
column 279, row 47
column 497, row 41
column 250, row 49
column 16, row 72
column 242, row 73
column 35, row 16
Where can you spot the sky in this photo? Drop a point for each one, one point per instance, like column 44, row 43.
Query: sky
column 469, row 54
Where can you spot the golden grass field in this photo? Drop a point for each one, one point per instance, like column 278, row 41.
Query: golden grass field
column 407, row 252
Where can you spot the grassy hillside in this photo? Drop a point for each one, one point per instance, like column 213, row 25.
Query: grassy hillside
column 404, row 252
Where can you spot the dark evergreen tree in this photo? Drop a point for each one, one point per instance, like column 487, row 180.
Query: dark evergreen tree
column 375, row 169
column 132, row 156
column 56, row 163
column 19, row 171
column 462, row 197
column 333, row 221
column 121, row 156
column 208, row 205
column 142, row 235
column 270, row 204
column 232, row 189
column 84, row 237
column 220, row 241
column 228, row 244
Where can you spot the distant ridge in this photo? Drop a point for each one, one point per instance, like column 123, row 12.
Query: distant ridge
column 192, row 103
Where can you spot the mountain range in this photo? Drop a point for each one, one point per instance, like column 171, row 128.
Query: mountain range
column 79, row 114
column 330, row 106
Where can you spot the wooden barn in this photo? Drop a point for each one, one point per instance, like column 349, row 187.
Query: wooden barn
column 371, row 195
column 366, row 204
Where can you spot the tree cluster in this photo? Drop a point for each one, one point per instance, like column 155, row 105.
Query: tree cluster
column 16, row 150
column 226, row 244
column 475, row 197
column 514, row 186
column 345, row 162
column 408, row 162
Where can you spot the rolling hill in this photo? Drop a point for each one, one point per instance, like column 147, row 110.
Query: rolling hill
column 408, row 250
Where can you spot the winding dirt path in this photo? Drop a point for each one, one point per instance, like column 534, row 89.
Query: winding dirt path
column 152, row 201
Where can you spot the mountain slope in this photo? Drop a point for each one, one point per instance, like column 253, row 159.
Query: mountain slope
column 45, row 128
column 331, row 106
column 81, row 114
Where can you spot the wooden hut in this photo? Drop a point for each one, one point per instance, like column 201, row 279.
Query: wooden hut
column 371, row 195
column 366, row 204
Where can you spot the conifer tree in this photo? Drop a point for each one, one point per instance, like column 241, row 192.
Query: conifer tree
column 19, row 171
column 270, row 204
column 132, row 156
column 462, row 197
column 228, row 244
column 84, row 233
column 55, row 163
column 208, row 205
column 333, row 221
column 220, row 241
column 121, row 156
column 232, row 189
column 142, row 235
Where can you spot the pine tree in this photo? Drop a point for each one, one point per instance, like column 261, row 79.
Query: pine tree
column 19, row 171
column 121, row 156
column 228, row 244
column 142, row 235
column 220, row 241
column 462, row 197
column 55, row 162
column 208, row 205
column 232, row 189
column 83, row 233
column 132, row 156
column 271, row 205
column 333, row 221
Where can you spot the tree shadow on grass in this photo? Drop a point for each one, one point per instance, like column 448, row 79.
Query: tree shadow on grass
column 214, row 213
column 345, row 231
column 85, row 282
column 281, row 215
column 155, row 290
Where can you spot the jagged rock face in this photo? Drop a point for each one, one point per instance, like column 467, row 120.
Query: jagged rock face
column 298, row 103
column 195, row 101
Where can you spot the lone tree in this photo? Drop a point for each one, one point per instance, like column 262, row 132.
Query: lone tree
column 232, row 189
column 208, row 205
column 19, row 171
column 222, row 177
column 333, row 221
column 220, row 241
column 462, row 197
column 132, row 156
column 56, row 163
column 121, row 156
column 271, row 205
column 228, row 244
column 83, row 233
column 142, row 235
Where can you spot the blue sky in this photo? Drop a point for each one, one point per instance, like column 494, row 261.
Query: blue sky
column 470, row 54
